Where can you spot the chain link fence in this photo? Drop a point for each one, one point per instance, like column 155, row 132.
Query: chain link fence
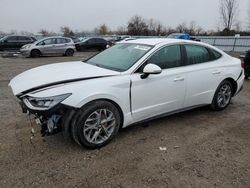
column 229, row 44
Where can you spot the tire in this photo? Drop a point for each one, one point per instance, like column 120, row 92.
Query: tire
column 69, row 52
column 35, row 53
column 222, row 96
column 96, row 124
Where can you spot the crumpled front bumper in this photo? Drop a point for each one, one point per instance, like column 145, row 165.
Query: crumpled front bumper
column 50, row 121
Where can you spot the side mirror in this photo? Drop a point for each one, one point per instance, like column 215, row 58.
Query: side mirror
column 150, row 69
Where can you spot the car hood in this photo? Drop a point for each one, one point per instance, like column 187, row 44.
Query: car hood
column 55, row 74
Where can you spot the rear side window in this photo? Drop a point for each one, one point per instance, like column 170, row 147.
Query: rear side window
column 197, row 54
column 61, row 41
column 215, row 54
column 68, row 40
column 100, row 40
column 167, row 57
column 24, row 39
column 92, row 41
column 12, row 39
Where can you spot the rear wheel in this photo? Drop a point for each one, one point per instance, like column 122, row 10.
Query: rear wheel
column 97, row 123
column 35, row 53
column 222, row 96
column 69, row 52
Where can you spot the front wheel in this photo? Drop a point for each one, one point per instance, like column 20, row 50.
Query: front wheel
column 97, row 123
column 222, row 96
column 35, row 53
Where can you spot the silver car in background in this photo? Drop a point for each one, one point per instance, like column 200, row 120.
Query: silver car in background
column 49, row 46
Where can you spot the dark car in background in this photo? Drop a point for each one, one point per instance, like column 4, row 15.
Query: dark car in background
column 14, row 42
column 91, row 43
column 184, row 36
column 75, row 39
column 246, row 63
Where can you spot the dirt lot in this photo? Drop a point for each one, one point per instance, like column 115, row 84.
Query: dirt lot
column 203, row 148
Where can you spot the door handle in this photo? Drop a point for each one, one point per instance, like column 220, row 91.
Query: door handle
column 216, row 72
column 177, row 79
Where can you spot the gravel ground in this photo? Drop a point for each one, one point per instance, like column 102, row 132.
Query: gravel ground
column 199, row 148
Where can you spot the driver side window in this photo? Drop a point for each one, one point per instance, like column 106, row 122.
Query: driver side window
column 47, row 42
column 167, row 57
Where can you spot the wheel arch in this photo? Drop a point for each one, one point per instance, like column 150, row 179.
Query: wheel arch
column 35, row 49
column 70, row 49
column 121, row 113
column 234, row 84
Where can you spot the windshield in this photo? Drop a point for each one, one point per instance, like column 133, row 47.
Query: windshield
column 120, row 57
column 3, row 38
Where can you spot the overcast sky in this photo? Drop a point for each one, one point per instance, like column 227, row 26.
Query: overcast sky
column 33, row 15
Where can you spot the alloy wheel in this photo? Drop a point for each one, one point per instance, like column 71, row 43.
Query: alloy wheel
column 99, row 126
column 224, row 95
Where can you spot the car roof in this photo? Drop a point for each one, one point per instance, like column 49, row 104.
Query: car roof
column 45, row 38
column 162, row 41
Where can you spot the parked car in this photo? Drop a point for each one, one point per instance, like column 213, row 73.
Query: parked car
column 75, row 39
column 91, row 43
column 128, row 83
column 14, row 42
column 182, row 36
column 122, row 37
column 49, row 46
column 127, row 39
column 246, row 64
column 110, row 42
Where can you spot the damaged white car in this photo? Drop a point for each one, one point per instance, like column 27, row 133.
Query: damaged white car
column 131, row 82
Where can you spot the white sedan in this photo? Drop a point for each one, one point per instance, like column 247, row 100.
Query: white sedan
column 131, row 82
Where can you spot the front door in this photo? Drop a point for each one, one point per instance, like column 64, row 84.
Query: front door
column 162, row 93
column 47, row 47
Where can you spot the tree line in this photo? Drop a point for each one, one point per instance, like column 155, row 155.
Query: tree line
column 139, row 26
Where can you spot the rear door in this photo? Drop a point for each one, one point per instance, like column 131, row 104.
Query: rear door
column 22, row 40
column 11, row 43
column 61, row 45
column 91, row 43
column 48, row 46
column 162, row 93
column 203, row 74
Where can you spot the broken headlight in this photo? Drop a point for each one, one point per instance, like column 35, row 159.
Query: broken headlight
column 44, row 103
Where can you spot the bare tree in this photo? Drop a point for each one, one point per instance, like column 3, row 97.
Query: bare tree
column 137, row 26
column 103, row 30
column 121, row 30
column 248, row 22
column 44, row 32
column 155, row 28
column 67, row 31
column 228, row 13
column 182, row 28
